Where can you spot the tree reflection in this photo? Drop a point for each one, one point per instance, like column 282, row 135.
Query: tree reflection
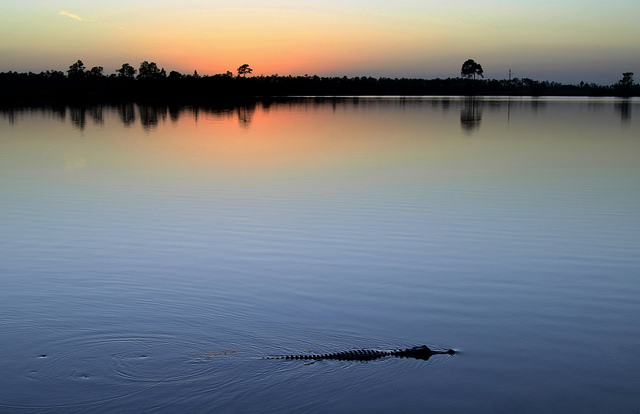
column 537, row 104
column 97, row 114
column 10, row 115
column 127, row 113
column 151, row 114
column 78, row 115
column 624, row 109
column 245, row 114
column 471, row 114
column 174, row 113
column 59, row 111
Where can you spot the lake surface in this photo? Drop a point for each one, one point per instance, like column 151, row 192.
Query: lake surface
column 152, row 256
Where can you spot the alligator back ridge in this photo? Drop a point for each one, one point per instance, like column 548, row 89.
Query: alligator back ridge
column 417, row 352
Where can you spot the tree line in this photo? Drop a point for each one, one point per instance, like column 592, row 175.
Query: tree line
column 151, row 83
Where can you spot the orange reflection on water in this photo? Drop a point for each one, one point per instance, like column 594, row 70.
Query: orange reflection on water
column 282, row 137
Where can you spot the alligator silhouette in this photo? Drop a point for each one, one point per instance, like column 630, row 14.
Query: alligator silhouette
column 417, row 352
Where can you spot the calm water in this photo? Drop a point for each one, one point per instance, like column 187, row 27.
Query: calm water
column 150, row 257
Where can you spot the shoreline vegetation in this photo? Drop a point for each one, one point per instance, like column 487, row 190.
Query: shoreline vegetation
column 152, row 84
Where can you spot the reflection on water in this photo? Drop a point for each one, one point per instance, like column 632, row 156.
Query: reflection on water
column 151, row 255
column 471, row 114
column 127, row 113
column 624, row 107
column 471, row 109
column 245, row 114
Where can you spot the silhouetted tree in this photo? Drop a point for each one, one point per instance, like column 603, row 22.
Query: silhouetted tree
column 96, row 71
column 150, row 70
column 627, row 79
column 470, row 69
column 76, row 70
column 244, row 70
column 126, row 71
column 625, row 84
column 53, row 74
column 84, row 85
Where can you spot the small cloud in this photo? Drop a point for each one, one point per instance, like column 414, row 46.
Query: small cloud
column 73, row 16
column 82, row 19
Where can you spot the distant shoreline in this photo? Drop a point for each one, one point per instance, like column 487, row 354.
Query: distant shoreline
column 55, row 87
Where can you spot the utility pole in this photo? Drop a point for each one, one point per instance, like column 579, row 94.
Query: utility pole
column 509, row 74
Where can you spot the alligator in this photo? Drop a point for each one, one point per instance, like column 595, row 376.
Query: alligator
column 417, row 352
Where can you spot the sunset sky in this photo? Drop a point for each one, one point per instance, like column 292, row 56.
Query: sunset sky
column 558, row 40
